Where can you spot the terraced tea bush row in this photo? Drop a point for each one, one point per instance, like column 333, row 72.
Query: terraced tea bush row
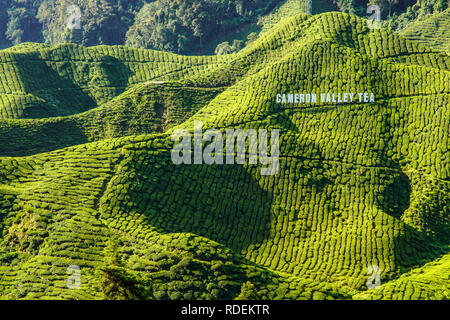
column 69, row 79
column 146, row 108
column 431, row 32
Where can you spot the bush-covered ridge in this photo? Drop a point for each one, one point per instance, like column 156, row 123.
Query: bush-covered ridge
column 37, row 81
column 92, row 80
column 359, row 185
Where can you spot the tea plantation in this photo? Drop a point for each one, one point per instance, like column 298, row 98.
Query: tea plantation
column 432, row 31
column 87, row 180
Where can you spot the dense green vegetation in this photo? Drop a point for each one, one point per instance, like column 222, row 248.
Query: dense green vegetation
column 183, row 26
column 418, row 10
column 358, row 185
column 171, row 25
column 150, row 107
column 432, row 31
column 180, row 26
column 91, row 80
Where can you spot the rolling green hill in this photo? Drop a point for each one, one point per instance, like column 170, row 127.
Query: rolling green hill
column 358, row 184
column 434, row 31
column 38, row 81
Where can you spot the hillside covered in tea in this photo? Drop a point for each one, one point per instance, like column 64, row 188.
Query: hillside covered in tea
column 87, row 180
column 432, row 31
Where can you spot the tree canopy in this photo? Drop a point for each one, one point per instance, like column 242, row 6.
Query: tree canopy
column 181, row 26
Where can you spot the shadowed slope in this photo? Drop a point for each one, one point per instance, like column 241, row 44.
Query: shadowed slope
column 433, row 32
column 40, row 82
